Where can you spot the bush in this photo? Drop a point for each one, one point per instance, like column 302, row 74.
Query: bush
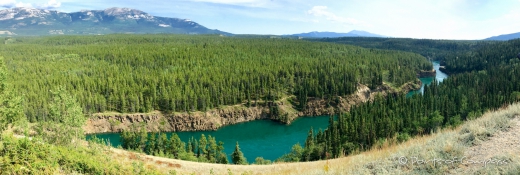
column 262, row 161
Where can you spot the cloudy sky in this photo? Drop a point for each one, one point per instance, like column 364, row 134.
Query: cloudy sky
column 436, row 19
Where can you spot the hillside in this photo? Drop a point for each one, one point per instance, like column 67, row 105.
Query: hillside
column 505, row 37
column 353, row 33
column 30, row 21
column 177, row 73
column 432, row 49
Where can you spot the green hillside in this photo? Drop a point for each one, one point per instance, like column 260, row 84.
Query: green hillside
column 142, row 73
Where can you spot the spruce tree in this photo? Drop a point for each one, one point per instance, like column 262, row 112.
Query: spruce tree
column 238, row 157
column 221, row 156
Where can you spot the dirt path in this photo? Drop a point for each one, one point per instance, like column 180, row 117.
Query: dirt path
column 497, row 148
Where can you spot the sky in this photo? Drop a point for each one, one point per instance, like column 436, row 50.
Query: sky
column 433, row 19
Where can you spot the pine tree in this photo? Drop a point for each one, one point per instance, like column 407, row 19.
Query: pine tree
column 310, row 139
column 221, row 156
column 177, row 146
column 238, row 157
column 151, row 147
column 203, row 142
column 212, row 150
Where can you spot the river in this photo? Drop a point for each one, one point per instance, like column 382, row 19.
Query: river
column 264, row 138
column 259, row 138
column 440, row 76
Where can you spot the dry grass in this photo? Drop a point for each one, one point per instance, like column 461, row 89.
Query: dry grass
column 404, row 158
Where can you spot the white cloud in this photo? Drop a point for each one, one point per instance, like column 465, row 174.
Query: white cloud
column 52, row 4
column 247, row 3
column 229, row 1
column 321, row 11
column 7, row 3
column 21, row 4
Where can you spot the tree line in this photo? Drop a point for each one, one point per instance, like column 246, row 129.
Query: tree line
column 484, row 57
column 439, row 50
column 205, row 149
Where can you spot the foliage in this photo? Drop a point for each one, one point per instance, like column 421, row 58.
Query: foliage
column 262, row 161
column 158, row 144
column 238, row 157
column 65, row 120
column 32, row 156
column 11, row 109
column 294, row 156
column 485, row 57
column 433, row 49
column 458, row 98
column 142, row 73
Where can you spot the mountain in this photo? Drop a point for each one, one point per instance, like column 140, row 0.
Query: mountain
column 353, row 33
column 30, row 21
column 505, row 37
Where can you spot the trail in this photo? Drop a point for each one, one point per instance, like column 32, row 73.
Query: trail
column 500, row 145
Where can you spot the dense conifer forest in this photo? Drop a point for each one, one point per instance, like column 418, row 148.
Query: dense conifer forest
column 485, row 57
column 57, row 81
column 488, row 80
column 433, row 49
column 176, row 73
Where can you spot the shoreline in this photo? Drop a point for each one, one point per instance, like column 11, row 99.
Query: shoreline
column 157, row 121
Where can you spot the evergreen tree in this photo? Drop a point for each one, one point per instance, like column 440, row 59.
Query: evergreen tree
column 221, row 156
column 151, row 146
column 238, row 157
column 212, row 151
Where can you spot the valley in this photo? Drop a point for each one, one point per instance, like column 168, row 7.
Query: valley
column 259, row 138
column 123, row 91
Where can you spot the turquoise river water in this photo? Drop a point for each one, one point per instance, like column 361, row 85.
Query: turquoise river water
column 264, row 138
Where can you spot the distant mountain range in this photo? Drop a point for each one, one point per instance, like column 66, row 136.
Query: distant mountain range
column 353, row 33
column 505, row 37
column 30, row 21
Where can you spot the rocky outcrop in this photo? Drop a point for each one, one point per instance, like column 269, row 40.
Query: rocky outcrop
column 281, row 110
column 157, row 121
column 424, row 73
column 410, row 86
column 317, row 106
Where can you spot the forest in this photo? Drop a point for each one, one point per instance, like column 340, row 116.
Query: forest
column 438, row 50
column 176, row 73
column 66, row 78
column 489, row 80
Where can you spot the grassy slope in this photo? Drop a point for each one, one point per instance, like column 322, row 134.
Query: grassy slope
column 21, row 155
column 445, row 144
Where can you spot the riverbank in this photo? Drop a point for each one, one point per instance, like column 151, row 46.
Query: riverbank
column 481, row 139
column 213, row 119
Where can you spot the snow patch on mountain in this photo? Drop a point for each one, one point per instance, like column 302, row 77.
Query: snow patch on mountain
column 164, row 25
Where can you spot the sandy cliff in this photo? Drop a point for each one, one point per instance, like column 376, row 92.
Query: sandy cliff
column 216, row 118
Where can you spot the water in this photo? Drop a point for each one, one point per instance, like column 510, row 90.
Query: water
column 264, row 138
column 260, row 138
column 440, row 76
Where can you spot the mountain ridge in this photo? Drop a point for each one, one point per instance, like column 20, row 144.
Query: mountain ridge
column 31, row 21
column 504, row 37
column 325, row 34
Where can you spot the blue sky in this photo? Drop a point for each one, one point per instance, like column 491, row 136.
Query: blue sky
column 435, row 19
